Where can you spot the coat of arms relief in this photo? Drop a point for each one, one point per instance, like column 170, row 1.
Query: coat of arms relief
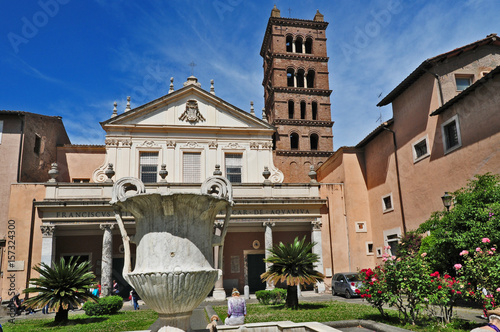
column 192, row 113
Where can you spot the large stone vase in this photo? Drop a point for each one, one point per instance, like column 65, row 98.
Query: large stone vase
column 174, row 234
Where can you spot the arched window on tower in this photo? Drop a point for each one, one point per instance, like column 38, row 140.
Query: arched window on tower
column 300, row 78
column 298, row 45
column 274, row 140
column 291, row 106
column 313, row 139
column 309, row 44
column 289, row 42
column 294, row 141
column 290, row 77
column 302, row 109
column 310, row 79
column 314, row 106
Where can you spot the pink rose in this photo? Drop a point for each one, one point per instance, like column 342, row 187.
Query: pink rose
column 424, row 254
column 478, row 249
column 498, row 289
column 464, row 252
column 493, row 249
column 457, row 266
column 486, row 240
column 490, row 252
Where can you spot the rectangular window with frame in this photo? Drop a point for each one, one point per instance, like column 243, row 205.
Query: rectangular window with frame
column 369, row 248
column 393, row 242
column 234, row 167
column 387, row 204
column 38, row 144
column 463, row 82
column 420, row 149
column 148, row 166
column 451, row 134
column 191, row 167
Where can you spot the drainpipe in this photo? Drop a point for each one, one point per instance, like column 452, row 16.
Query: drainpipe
column 441, row 101
column 30, row 250
column 21, row 146
column 397, row 176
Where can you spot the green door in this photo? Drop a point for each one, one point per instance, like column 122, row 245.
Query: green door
column 256, row 267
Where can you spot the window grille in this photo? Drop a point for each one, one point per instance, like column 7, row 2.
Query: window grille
column 148, row 164
column 234, row 167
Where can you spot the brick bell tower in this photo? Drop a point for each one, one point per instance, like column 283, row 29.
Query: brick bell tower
column 297, row 94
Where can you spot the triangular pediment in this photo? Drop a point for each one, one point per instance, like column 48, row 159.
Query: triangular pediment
column 191, row 107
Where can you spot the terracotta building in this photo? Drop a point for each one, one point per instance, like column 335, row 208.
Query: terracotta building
column 445, row 129
column 28, row 145
column 296, row 93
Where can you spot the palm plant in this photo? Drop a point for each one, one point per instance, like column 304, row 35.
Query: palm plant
column 61, row 286
column 293, row 264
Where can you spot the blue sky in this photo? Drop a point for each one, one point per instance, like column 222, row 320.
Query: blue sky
column 74, row 58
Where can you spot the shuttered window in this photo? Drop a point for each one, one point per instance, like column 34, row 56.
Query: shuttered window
column 191, row 167
column 148, row 164
column 233, row 167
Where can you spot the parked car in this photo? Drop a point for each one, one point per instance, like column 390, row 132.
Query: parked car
column 346, row 284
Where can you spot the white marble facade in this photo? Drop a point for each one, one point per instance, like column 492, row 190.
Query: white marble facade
column 189, row 120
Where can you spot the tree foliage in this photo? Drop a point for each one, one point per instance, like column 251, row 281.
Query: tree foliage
column 62, row 286
column 293, row 264
column 473, row 216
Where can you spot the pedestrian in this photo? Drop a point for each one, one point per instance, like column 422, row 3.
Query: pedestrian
column 494, row 322
column 135, row 299
column 16, row 303
column 236, row 309
column 115, row 287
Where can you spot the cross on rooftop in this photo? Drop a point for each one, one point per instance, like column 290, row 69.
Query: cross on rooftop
column 192, row 65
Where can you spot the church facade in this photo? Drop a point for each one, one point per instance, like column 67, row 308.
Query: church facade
column 172, row 144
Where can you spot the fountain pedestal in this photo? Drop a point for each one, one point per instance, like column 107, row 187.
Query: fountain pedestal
column 174, row 270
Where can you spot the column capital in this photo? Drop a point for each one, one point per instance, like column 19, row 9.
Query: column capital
column 316, row 225
column 268, row 224
column 48, row 231
column 106, row 227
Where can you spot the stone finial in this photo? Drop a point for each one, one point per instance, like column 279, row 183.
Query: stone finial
column 171, row 85
column 266, row 174
column 115, row 110
column 252, row 111
column 312, row 174
column 53, row 173
column 264, row 117
column 217, row 171
column 128, row 104
column 163, row 173
column 212, row 89
column 319, row 17
column 275, row 12
column 109, row 172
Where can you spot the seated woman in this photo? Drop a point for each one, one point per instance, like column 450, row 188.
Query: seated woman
column 494, row 322
column 236, row 309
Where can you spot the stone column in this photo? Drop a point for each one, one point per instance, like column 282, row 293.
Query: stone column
column 107, row 260
column 317, row 249
column 303, row 46
column 268, row 242
column 293, row 46
column 219, row 292
column 48, row 244
column 305, row 80
column 294, row 80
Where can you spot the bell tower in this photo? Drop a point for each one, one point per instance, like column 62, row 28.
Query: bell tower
column 297, row 94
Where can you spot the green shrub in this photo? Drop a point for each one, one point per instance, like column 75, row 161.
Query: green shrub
column 105, row 306
column 275, row 296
